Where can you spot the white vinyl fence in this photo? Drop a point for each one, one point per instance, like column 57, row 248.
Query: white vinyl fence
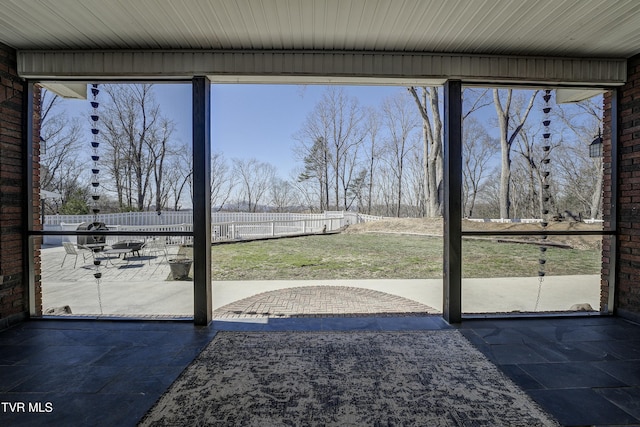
column 225, row 225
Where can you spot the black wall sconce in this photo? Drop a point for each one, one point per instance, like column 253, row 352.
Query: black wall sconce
column 595, row 148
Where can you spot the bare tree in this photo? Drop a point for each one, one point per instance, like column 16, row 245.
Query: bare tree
column 414, row 195
column 254, row 179
column 372, row 151
column 478, row 150
column 178, row 175
column 281, row 194
column 510, row 125
column 61, row 163
column 157, row 142
column 305, row 193
column 335, row 122
column 428, row 106
column 400, row 123
column 529, row 168
column 582, row 175
column 223, row 181
column 137, row 136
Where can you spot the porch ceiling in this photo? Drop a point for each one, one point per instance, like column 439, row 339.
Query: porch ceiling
column 568, row 28
column 577, row 43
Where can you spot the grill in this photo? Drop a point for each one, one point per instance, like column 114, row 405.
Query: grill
column 92, row 240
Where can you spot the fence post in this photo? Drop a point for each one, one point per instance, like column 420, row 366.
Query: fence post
column 273, row 228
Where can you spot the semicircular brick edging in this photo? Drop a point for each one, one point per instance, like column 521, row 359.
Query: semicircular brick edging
column 318, row 301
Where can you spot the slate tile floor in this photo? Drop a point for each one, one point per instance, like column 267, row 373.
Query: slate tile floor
column 584, row 371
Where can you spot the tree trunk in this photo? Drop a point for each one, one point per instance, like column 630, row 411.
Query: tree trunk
column 506, row 142
column 432, row 148
column 596, row 199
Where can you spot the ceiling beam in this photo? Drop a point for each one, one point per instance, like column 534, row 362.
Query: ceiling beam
column 320, row 66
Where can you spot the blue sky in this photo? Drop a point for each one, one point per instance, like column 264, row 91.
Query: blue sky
column 257, row 120
column 248, row 120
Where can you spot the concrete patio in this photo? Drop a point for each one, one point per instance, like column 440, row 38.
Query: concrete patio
column 142, row 287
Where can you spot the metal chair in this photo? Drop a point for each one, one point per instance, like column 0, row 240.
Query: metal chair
column 70, row 249
column 156, row 246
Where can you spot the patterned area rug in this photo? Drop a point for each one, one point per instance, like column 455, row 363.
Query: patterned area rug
column 426, row 378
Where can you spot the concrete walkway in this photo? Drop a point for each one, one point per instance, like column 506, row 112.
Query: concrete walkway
column 138, row 287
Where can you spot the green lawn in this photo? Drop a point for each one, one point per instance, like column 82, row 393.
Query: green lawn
column 393, row 256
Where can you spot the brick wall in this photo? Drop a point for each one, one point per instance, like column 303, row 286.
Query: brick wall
column 12, row 291
column 628, row 197
column 13, row 279
column 606, row 204
column 37, row 225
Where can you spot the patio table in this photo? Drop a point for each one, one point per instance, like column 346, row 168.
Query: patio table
column 94, row 247
column 128, row 245
column 123, row 252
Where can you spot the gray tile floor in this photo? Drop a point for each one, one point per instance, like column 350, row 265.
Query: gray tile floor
column 584, row 371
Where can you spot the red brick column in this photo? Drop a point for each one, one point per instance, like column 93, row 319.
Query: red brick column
column 14, row 304
column 606, row 204
column 628, row 197
column 37, row 225
column 12, row 290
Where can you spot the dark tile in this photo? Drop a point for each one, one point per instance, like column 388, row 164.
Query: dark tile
column 570, row 333
column 476, row 324
column 296, row 324
column 350, row 324
column 486, row 350
column 616, row 348
column 627, row 371
column 134, row 338
column 113, row 371
column 65, row 355
column 473, row 337
column 12, row 375
column 80, row 379
column 411, row 323
column 501, row 336
column 618, row 332
column 570, row 375
column 511, row 354
column 584, row 320
column 144, row 356
column 572, row 352
column 11, row 354
column 244, row 325
column 144, row 380
column 18, row 335
column 493, row 323
column 49, row 337
column 581, row 407
column 627, row 398
column 82, row 409
column 520, row 377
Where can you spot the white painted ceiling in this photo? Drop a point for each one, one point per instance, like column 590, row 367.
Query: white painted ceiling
column 566, row 28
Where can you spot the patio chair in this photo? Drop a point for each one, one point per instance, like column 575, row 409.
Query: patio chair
column 70, row 249
column 156, row 246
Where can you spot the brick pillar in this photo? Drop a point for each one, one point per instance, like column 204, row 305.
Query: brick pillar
column 606, row 204
column 14, row 302
column 12, row 278
column 628, row 197
column 37, row 224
